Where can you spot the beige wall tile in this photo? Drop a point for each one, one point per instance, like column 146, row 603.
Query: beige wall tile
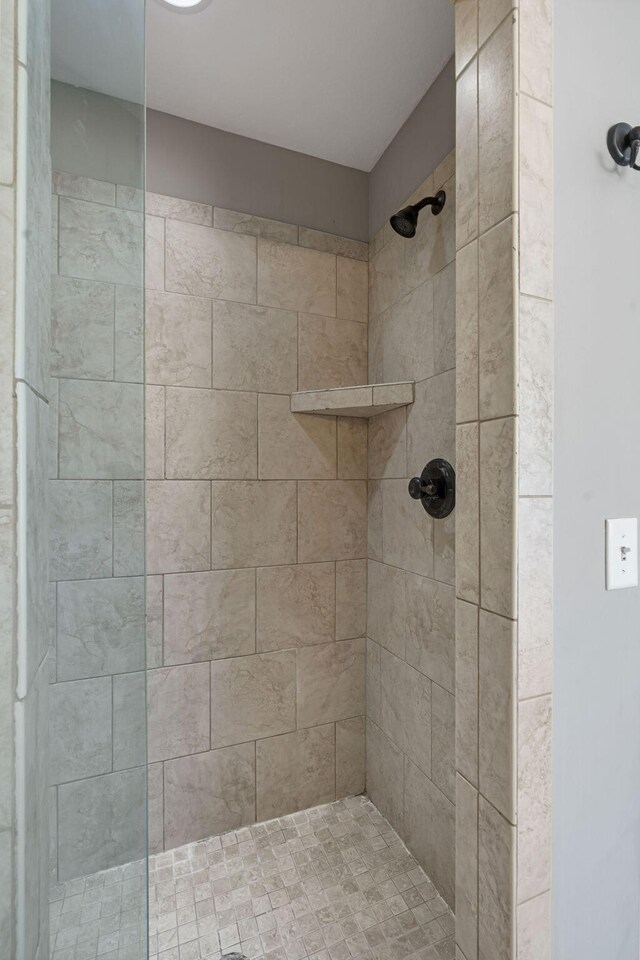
column 295, row 771
column 386, row 606
column 331, row 243
column 407, row 530
column 435, row 247
column 443, row 753
column 534, row 928
column 467, row 333
column 466, row 12
column 332, row 520
column 385, row 775
column 444, row 171
column 387, row 447
column 83, row 188
column 351, row 599
column 536, row 198
column 254, row 226
column 296, row 605
column 444, row 550
column 431, row 430
column 467, row 690
column 467, row 519
column 208, row 616
column 332, row 353
column 293, row 445
column 211, row 434
column 82, row 328
column 430, row 629
column 374, row 346
column 444, row 319
column 353, row 289
column 155, row 620
column 254, row 348
column 253, row 697
column 153, row 253
column 294, row 278
column 374, row 520
column 407, row 348
column 405, row 709
column 434, row 848
column 386, row 275
column 498, row 516
column 352, row 448
column 350, row 757
column 330, row 682
column 253, row 523
column 162, row 206
column 497, row 321
column 496, row 874
column 536, row 44
column 535, row 395
column 467, row 867
column 497, row 719
column 154, row 432
column 373, row 681
column 178, row 711
column 178, row 531
column 155, row 804
column 177, row 340
column 496, row 84
column 467, row 187
column 490, row 15
column 535, row 596
column 204, row 262
column 534, row 797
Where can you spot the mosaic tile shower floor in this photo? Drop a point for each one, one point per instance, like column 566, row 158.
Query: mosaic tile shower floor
column 331, row 883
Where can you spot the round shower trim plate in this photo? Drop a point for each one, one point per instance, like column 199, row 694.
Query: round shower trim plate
column 184, row 6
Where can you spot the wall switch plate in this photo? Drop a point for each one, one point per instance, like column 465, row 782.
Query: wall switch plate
column 621, row 564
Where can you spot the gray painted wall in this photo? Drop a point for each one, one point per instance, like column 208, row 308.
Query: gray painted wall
column 422, row 142
column 596, row 805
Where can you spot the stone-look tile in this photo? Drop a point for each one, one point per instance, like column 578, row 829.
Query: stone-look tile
column 6, row 881
column 496, row 901
column 407, row 337
column 466, row 13
column 100, row 627
column 534, row 797
column 330, row 682
column 373, row 687
column 534, row 928
column 155, row 621
column 444, row 319
column 99, row 242
column 154, row 253
column 467, row 333
column 130, row 198
column 177, row 340
column 209, row 615
column 431, row 430
column 128, row 528
column 443, row 765
column 204, row 262
column 430, row 629
column 405, row 710
column 385, row 775
column 351, row 599
column 101, row 430
column 535, row 397
column 160, row 205
column 296, row 605
column 253, row 523
column 467, row 519
column 154, row 403
column 82, row 319
column 155, row 804
column 444, row 550
column 444, row 171
column 353, row 289
column 467, row 690
column 386, row 618
column 253, row 697
column 210, row 434
column 254, row 226
column 535, row 596
column 83, row 188
column 295, row 771
column 432, row 249
column 331, row 243
column 374, row 520
column 294, row 278
column 80, row 716
column 496, row 93
column 407, row 530
column 192, row 810
column 536, row 197
column 350, row 757
column 178, row 528
column 375, row 334
column 434, row 848
column 101, row 822
column 254, row 348
column 490, row 14
column 352, row 448
column 80, row 525
column 467, row 867
column 293, row 445
column 497, row 516
column 332, row 520
column 536, row 42
column 52, row 429
column 467, row 186
column 178, row 711
column 497, row 323
column 387, row 447
column 129, row 721
column 386, row 275
column 497, row 712
column 332, row 353
column 129, row 334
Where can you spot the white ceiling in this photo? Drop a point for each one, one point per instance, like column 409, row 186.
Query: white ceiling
column 331, row 78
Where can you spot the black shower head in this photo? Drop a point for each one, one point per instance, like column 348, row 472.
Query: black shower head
column 405, row 221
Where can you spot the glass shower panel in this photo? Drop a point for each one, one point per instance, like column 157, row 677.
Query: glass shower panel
column 97, row 721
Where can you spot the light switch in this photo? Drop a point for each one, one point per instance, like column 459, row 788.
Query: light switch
column 622, row 553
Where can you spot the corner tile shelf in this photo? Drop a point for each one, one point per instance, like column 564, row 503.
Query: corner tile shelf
column 362, row 401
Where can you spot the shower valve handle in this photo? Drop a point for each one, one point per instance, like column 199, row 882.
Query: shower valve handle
column 623, row 142
column 419, row 489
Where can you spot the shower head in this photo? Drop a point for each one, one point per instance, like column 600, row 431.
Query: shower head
column 405, row 221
